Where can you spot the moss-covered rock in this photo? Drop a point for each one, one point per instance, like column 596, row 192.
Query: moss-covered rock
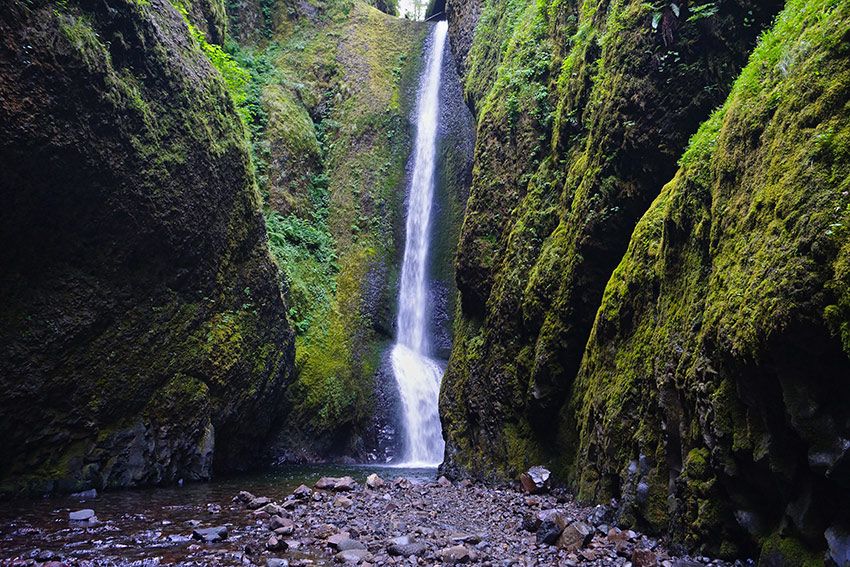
column 718, row 345
column 582, row 111
column 142, row 330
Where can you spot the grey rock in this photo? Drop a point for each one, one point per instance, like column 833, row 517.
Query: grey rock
column 348, row 543
column 81, row 515
column 85, row 494
column 407, row 549
column 838, row 541
column 535, row 480
column 278, row 522
column 276, row 562
column 325, row 483
column 210, row 535
column 244, row 497
column 552, row 523
column 352, row 556
column 276, row 544
column 374, row 482
column 455, row 554
column 258, row 502
column 345, row 483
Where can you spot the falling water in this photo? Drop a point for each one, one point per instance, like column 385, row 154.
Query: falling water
column 417, row 374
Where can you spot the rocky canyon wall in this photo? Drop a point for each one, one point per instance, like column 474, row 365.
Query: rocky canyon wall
column 668, row 351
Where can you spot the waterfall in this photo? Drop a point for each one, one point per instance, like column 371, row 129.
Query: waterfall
column 417, row 374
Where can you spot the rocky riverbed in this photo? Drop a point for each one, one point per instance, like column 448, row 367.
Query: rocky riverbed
column 338, row 520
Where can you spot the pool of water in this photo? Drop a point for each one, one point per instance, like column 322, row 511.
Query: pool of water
column 155, row 524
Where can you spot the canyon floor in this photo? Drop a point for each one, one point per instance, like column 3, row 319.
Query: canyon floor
column 399, row 520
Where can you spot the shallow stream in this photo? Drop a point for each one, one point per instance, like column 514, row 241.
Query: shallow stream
column 154, row 525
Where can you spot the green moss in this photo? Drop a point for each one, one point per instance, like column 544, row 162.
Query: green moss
column 779, row 550
column 717, row 274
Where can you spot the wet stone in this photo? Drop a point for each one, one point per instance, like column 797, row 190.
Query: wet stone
column 210, row 535
column 81, row 515
column 258, row 502
column 354, row 556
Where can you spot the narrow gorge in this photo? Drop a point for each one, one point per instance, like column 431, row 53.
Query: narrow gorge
column 381, row 282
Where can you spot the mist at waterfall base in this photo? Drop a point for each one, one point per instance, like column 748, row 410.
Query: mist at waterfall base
column 417, row 374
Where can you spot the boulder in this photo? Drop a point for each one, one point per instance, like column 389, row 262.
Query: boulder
column 352, row 556
column 278, row 523
column 342, row 502
column 272, row 509
column 535, row 480
column 302, row 492
column 838, row 542
column 344, row 484
column 374, row 482
column 407, row 549
column 444, row 482
column 83, row 518
column 455, row 554
column 244, row 497
column 81, row 515
column 257, row 503
column 276, row 544
column 340, row 484
column 348, row 544
column 335, row 539
column 276, row 562
column 552, row 523
column 210, row 535
column 325, row 483
column 85, row 495
column 575, row 537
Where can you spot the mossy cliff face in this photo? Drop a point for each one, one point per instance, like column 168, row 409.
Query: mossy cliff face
column 144, row 338
column 330, row 105
column 709, row 395
column 582, row 111
column 718, row 371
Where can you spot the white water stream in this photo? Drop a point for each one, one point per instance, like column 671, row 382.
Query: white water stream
column 417, row 374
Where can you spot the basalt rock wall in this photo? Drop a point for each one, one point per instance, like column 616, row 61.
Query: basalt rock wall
column 143, row 335
column 714, row 357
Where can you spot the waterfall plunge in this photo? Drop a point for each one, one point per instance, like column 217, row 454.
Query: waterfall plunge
column 417, row 374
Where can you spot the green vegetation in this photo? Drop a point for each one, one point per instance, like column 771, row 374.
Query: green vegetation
column 325, row 100
column 585, row 110
column 172, row 323
column 722, row 273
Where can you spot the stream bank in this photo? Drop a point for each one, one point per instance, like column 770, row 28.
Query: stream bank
column 411, row 519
